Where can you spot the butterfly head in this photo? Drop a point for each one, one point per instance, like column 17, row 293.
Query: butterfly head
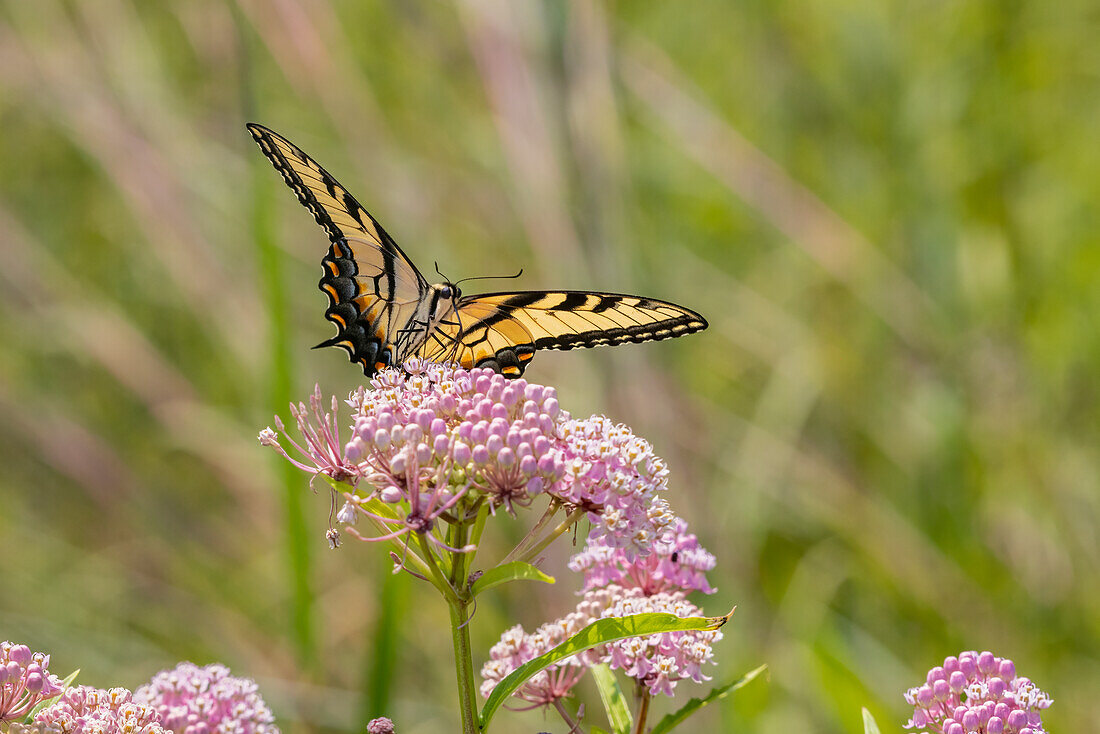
column 444, row 300
column 447, row 291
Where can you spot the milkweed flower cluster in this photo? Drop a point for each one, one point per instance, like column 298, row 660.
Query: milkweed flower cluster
column 657, row 661
column 977, row 693
column 88, row 710
column 381, row 725
column 618, row 583
column 198, row 700
column 427, row 435
column 677, row 562
column 24, row 680
column 516, row 647
column 616, row 474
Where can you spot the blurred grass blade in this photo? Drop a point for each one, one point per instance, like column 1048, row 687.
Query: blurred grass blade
column 599, row 632
column 297, row 550
column 674, row 719
column 614, row 702
column 514, row 571
column 869, row 725
column 381, row 654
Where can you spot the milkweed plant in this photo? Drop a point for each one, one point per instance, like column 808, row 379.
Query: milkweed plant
column 434, row 455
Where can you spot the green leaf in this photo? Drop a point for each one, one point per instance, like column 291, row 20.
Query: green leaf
column 869, row 725
column 68, row 681
column 599, row 632
column 514, row 571
column 614, row 702
column 597, row 730
column 677, row 717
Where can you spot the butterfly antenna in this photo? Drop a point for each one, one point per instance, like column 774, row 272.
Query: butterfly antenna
column 492, row 277
column 441, row 275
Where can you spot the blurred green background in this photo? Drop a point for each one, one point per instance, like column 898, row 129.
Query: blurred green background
column 887, row 211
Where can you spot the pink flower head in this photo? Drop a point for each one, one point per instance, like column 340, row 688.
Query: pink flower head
column 516, row 647
column 677, row 563
column 24, row 680
column 427, row 435
column 616, row 477
column 658, row 661
column 206, row 700
column 976, row 693
column 87, row 710
column 381, row 725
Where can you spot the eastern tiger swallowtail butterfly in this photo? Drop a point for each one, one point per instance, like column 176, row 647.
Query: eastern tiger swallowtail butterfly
column 386, row 311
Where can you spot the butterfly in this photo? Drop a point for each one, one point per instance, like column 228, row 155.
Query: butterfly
column 385, row 311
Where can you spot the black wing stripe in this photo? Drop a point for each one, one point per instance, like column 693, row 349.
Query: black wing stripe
column 295, row 182
column 631, row 334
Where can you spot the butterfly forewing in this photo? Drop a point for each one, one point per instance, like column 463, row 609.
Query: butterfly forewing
column 372, row 286
column 502, row 330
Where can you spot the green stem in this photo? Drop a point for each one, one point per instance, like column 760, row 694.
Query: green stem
column 464, row 666
column 445, row 587
column 643, row 709
column 547, row 515
column 458, row 537
column 553, row 535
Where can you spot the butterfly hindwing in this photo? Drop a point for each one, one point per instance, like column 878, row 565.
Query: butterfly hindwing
column 503, row 330
column 372, row 286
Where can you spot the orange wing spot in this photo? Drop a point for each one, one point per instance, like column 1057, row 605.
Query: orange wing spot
column 511, row 370
column 337, row 318
column 332, row 268
column 526, row 356
column 379, row 365
column 327, row 288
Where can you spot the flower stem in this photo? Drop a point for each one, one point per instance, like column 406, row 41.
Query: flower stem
column 459, row 604
column 551, row 510
column 553, row 535
column 643, row 697
column 464, row 665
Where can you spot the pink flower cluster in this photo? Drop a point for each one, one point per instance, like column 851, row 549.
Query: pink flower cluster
column 381, row 725
column 516, row 647
column 87, row 710
column 659, row 661
column 201, row 700
column 977, row 693
column 615, row 475
column 677, row 562
column 24, row 680
column 428, row 435
column 656, row 661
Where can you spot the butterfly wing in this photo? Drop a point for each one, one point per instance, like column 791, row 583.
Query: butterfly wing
column 503, row 330
column 373, row 288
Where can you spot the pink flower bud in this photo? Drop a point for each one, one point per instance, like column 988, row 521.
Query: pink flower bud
column 20, row 654
column 996, row 687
